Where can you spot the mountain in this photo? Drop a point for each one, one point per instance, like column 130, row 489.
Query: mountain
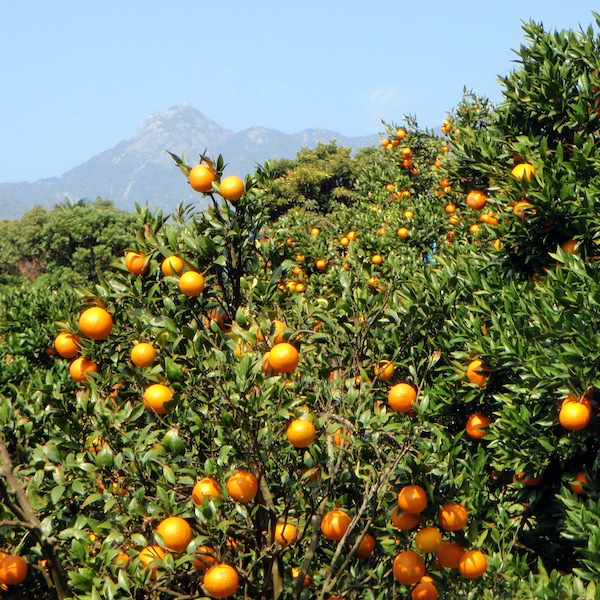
column 140, row 170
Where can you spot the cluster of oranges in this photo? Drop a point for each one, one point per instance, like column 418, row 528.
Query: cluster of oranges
column 202, row 177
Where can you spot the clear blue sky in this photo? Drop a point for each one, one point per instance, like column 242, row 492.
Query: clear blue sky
column 78, row 77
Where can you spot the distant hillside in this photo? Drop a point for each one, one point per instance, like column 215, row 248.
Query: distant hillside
column 140, row 170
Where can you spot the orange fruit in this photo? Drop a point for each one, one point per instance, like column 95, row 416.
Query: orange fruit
column 172, row 265
column 204, row 558
column 400, row 134
column 523, row 171
column 401, row 397
column 403, row 233
column 156, row 397
column 191, row 283
column 574, row 415
column 80, row 367
column 344, row 241
column 373, row 281
column 242, row 486
column 474, row 228
column 315, row 231
column 335, row 523
column 176, row 533
column 449, row 554
column 231, row 188
column 201, row 178
column 520, row 207
column 454, row 220
column 407, row 153
column 408, row 214
column 576, row 486
column 338, row 440
column 404, row 520
column 408, row 567
column 284, row 357
column 477, row 425
column 428, row 539
column 384, row 370
column 452, row 516
column 143, row 354
column 351, row 235
column 425, row 590
column 381, row 231
column 205, row 487
column 476, row 199
column 570, row 247
column 96, row 323
column 377, row 259
column 149, row 554
column 450, row 209
column 320, row 264
column 366, row 546
column 477, row 372
column 301, row 433
column 529, row 481
column 66, row 344
column 472, row 563
column 285, row 533
column 13, row 569
column 221, row 581
column 136, row 263
column 296, row 573
column 412, row 499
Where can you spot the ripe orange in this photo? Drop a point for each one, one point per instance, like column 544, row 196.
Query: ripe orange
column 403, row 233
column 373, row 281
column 452, row 516
column 408, row 567
column 221, row 581
column 529, row 481
column 172, row 265
column 242, row 486
column 284, row 357
column 136, row 263
column 315, row 231
column 401, row 397
column 477, row 425
column 523, row 171
column 176, row 533
column 344, row 241
column 366, row 547
column 381, row 231
column 412, row 499
column 320, row 264
column 338, row 440
column 574, row 415
column 404, row 520
column 428, row 539
column 191, row 283
column 301, row 433
column 377, row 259
column 80, row 367
column 408, row 214
column 454, row 220
column 143, row 354
column 351, row 235
column 205, row 487
column 231, row 188
column 520, row 207
column 96, row 323
column 570, row 247
column 576, row 484
column 149, row 554
column 425, row 590
column 477, row 373
column 476, row 199
column 449, row 554
column 400, row 134
column 474, row 228
column 156, row 398
column 201, row 178
column 205, row 558
column 13, row 569
column 384, row 370
column 285, row 533
column 335, row 523
column 66, row 344
column 450, row 209
column 472, row 563
column 296, row 573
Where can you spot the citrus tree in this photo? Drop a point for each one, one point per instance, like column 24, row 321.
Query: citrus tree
column 384, row 398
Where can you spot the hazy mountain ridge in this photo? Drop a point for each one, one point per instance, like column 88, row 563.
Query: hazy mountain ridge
column 140, row 170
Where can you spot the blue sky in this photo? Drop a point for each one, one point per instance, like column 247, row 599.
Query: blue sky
column 79, row 77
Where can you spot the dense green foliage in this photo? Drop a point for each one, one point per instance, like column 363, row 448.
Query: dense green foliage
column 411, row 274
column 71, row 244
